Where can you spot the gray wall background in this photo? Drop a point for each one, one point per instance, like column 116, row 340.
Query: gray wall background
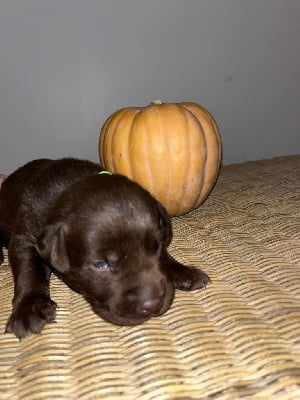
column 66, row 65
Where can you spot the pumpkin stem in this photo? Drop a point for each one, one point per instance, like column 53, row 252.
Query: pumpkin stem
column 157, row 102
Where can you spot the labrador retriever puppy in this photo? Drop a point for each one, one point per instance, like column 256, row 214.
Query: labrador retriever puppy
column 102, row 234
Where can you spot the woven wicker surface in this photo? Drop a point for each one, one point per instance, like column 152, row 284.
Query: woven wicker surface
column 238, row 339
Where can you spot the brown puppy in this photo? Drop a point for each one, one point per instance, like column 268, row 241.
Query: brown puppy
column 104, row 235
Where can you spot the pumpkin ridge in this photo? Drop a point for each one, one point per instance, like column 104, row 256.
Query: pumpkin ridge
column 185, row 112
column 103, row 138
column 106, row 144
column 152, row 114
column 113, row 136
column 209, row 179
column 202, row 174
column 162, row 128
column 172, row 199
column 204, row 168
column 149, row 170
column 112, row 139
column 130, row 134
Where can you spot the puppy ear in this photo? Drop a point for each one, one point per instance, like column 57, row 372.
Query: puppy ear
column 165, row 224
column 51, row 246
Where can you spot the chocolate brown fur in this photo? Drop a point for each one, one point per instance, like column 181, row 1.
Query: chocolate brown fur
column 103, row 235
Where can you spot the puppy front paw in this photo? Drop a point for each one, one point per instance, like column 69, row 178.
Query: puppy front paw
column 190, row 278
column 31, row 315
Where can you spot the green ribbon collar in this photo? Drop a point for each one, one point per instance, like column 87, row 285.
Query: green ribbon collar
column 105, row 173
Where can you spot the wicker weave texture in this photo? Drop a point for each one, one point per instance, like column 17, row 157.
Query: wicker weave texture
column 238, row 339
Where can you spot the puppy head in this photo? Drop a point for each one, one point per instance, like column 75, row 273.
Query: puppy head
column 107, row 237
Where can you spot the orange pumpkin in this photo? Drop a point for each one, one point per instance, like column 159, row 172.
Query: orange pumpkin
column 172, row 150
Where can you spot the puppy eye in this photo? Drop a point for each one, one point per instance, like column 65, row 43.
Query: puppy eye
column 102, row 265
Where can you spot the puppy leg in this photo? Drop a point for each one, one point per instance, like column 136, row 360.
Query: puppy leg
column 186, row 277
column 32, row 305
column 1, row 250
column 1, row 254
column 2, row 243
column 2, row 179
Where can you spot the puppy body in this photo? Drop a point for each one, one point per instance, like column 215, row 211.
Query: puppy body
column 104, row 235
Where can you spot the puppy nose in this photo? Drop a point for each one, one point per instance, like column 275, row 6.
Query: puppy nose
column 149, row 307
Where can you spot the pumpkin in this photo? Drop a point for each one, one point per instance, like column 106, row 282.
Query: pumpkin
column 171, row 149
